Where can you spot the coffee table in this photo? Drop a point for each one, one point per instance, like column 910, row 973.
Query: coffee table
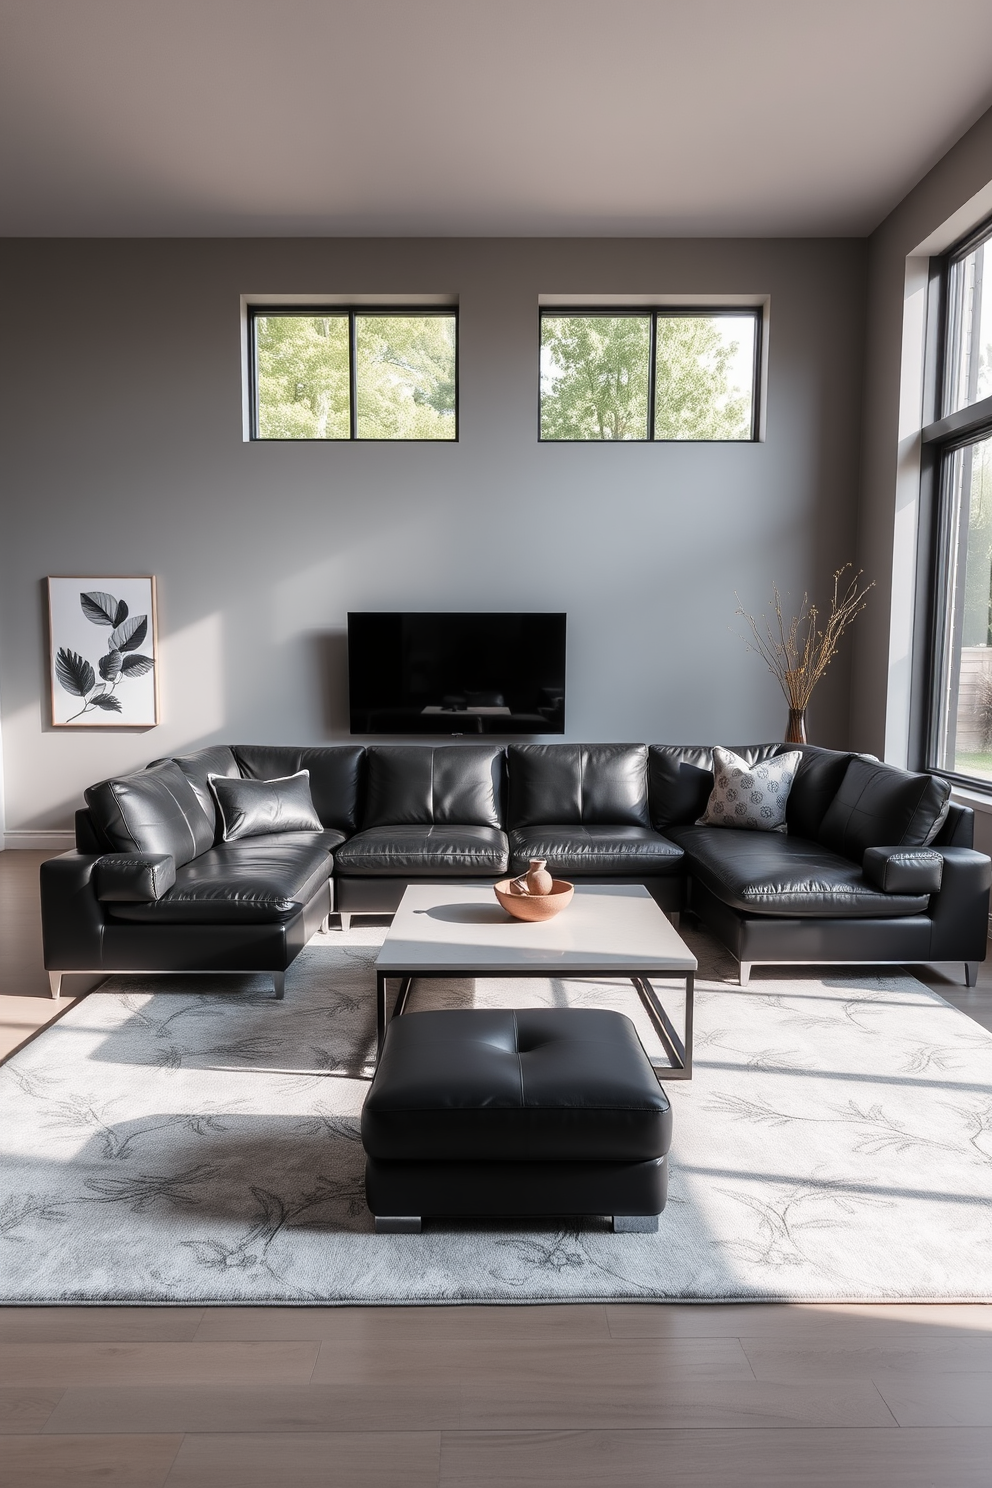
column 608, row 930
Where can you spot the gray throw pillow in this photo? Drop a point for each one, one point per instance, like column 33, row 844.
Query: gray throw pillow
column 255, row 808
column 752, row 797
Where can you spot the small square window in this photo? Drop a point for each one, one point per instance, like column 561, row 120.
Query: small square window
column 649, row 374
column 338, row 373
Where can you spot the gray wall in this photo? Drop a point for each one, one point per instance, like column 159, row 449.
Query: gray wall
column 123, row 453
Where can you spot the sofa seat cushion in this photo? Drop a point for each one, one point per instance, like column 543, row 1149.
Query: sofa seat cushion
column 425, row 852
column 532, row 1085
column 763, row 873
column 260, row 880
column 596, row 850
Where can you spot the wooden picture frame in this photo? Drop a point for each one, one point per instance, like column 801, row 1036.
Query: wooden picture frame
column 103, row 652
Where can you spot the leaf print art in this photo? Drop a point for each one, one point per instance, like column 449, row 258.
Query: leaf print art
column 103, row 683
column 127, row 633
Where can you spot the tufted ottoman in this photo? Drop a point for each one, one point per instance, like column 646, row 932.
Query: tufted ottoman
column 538, row 1111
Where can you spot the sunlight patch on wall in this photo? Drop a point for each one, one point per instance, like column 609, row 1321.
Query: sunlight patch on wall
column 193, row 685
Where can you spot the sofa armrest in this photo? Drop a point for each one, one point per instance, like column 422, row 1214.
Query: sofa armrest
column 960, row 912
column 904, row 870
column 72, row 917
column 134, row 878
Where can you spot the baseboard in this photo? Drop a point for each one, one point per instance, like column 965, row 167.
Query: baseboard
column 47, row 841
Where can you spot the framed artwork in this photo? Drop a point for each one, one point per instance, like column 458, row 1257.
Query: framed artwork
column 103, row 652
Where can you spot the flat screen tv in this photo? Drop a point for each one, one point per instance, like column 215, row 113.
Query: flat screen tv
column 456, row 673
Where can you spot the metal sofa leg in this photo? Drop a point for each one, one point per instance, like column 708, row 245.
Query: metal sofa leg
column 325, row 924
column 279, row 983
column 635, row 1224
column 398, row 1224
column 345, row 921
column 675, row 917
column 970, row 974
column 55, row 982
column 744, row 973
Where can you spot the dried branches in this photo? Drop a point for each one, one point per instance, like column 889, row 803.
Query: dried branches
column 798, row 651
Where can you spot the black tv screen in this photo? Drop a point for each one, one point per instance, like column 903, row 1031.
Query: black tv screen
column 456, row 673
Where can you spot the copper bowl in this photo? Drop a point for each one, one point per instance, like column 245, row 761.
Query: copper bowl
column 534, row 906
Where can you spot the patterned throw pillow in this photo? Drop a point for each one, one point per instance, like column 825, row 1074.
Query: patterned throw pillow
column 750, row 796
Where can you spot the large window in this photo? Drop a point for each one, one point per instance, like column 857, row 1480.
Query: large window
column 329, row 373
column 959, row 462
column 649, row 374
column 967, row 372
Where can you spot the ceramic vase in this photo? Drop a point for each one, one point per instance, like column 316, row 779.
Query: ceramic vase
column 796, row 731
column 539, row 880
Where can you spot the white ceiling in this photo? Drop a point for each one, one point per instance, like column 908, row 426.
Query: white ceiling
column 478, row 117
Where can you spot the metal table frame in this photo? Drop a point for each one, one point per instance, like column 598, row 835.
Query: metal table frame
column 677, row 1047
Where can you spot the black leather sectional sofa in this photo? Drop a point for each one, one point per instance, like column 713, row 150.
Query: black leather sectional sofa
column 876, row 866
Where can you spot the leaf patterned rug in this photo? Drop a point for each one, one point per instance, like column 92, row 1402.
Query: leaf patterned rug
column 201, row 1144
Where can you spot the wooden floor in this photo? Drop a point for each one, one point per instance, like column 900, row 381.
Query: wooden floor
column 684, row 1397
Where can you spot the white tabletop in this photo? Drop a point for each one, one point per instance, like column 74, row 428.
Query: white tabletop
column 461, row 927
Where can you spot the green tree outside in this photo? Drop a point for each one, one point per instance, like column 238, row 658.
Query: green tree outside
column 594, row 382
column 595, row 378
column 405, row 376
column 303, row 382
column 695, row 397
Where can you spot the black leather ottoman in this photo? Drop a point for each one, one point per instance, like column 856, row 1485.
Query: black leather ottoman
column 538, row 1111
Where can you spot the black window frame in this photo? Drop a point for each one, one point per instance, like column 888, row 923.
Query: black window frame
column 943, row 434
column 655, row 313
column 353, row 313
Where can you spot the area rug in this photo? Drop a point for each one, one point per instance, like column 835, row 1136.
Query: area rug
column 201, row 1145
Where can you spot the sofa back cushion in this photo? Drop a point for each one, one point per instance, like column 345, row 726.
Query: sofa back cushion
column 448, row 785
column 957, row 830
column 216, row 759
column 89, row 838
column 680, row 778
column 880, row 806
column 154, row 811
column 337, row 775
column 817, row 782
column 592, row 785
